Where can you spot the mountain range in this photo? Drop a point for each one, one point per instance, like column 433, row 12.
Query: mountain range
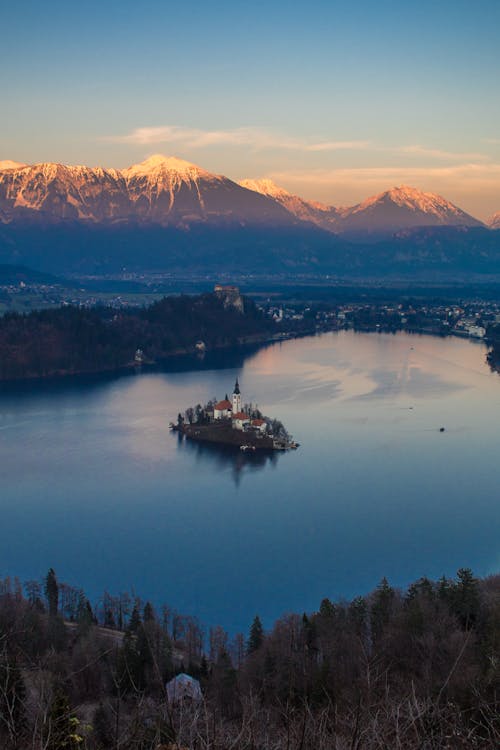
column 172, row 192
column 168, row 215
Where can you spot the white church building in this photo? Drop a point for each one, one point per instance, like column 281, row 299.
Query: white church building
column 233, row 410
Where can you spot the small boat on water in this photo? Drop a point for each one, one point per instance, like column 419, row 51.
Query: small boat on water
column 247, row 447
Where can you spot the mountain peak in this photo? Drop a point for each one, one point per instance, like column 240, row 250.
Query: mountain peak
column 9, row 164
column 158, row 163
column 265, row 187
column 403, row 207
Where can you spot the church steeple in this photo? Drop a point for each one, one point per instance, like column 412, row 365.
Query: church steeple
column 236, row 398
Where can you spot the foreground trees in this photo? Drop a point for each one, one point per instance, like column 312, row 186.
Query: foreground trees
column 415, row 669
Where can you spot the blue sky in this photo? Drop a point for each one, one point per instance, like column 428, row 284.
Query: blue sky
column 333, row 102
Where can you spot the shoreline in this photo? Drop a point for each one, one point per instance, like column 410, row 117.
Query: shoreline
column 256, row 339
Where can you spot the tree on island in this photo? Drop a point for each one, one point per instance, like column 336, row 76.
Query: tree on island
column 278, row 429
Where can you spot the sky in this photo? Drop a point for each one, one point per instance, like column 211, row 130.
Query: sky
column 333, row 101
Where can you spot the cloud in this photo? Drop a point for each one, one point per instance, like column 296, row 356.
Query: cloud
column 436, row 153
column 264, row 139
column 257, row 138
column 481, row 174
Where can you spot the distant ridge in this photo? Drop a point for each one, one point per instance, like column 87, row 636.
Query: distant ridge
column 160, row 190
column 169, row 191
column 169, row 215
column 398, row 208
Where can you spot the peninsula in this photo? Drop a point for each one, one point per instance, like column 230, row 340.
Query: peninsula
column 229, row 422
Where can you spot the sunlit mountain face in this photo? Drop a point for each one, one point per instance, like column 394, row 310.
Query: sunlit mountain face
column 399, row 208
column 494, row 221
column 167, row 214
column 161, row 190
column 172, row 192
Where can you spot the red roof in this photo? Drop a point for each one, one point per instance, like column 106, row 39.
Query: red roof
column 258, row 422
column 223, row 405
column 240, row 415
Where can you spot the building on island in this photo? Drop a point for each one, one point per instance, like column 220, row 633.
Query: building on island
column 240, row 420
column 236, row 407
column 233, row 410
column 230, row 423
column 259, row 424
column 222, row 409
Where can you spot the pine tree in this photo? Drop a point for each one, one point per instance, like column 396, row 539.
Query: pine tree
column 256, row 636
column 149, row 615
column 466, row 602
column 135, row 620
column 52, row 592
column 381, row 608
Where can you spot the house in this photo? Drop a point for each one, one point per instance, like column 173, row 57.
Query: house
column 222, row 409
column 183, row 687
column 259, row 425
column 240, row 420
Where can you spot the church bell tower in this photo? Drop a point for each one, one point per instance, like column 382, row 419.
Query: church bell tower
column 236, row 398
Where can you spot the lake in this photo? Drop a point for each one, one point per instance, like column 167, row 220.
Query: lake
column 93, row 483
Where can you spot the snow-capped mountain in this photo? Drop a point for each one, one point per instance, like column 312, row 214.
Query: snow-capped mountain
column 399, row 208
column 171, row 192
column 311, row 211
column 494, row 221
column 161, row 190
column 402, row 208
column 54, row 191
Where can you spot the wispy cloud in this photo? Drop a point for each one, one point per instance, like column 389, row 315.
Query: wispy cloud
column 440, row 154
column 257, row 138
column 260, row 139
column 479, row 173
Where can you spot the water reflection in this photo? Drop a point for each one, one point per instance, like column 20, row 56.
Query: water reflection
column 227, row 458
column 375, row 489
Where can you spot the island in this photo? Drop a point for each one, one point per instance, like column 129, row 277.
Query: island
column 229, row 422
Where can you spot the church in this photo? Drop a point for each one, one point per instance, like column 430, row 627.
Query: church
column 232, row 410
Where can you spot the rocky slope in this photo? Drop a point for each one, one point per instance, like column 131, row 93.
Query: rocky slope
column 388, row 212
column 314, row 212
column 494, row 221
column 402, row 208
column 160, row 190
column 171, row 192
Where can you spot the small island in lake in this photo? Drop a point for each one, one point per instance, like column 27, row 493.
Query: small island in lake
column 228, row 422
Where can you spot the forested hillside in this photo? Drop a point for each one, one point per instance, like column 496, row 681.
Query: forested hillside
column 407, row 669
column 79, row 340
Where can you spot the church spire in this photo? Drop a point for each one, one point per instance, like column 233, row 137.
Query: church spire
column 236, row 398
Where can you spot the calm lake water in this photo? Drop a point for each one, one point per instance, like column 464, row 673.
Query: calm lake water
column 93, row 483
